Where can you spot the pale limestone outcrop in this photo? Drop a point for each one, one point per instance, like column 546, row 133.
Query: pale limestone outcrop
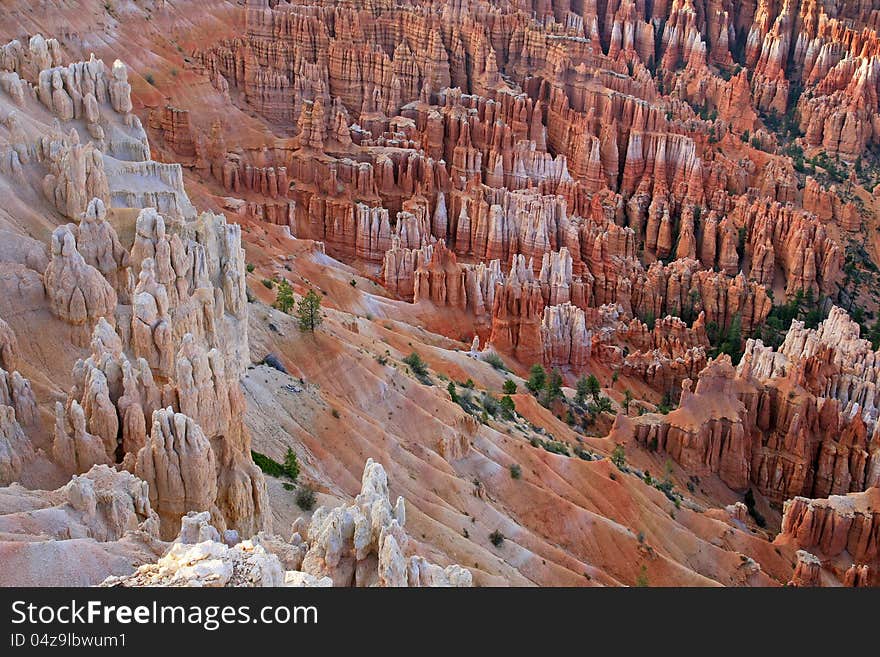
column 565, row 337
column 188, row 320
column 180, row 467
column 203, row 389
column 16, row 392
column 15, row 448
column 364, row 544
column 119, row 89
column 191, row 280
column 74, row 449
column 76, row 173
column 111, row 400
column 151, row 329
column 77, row 292
column 208, row 563
column 8, row 346
column 40, row 53
column 97, row 242
column 102, row 504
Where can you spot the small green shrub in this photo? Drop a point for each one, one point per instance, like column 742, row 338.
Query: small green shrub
column 508, row 406
column 495, row 361
column 416, row 364
column 497, row 538
column 509, row 387
column 515, row 471
column 289, row 469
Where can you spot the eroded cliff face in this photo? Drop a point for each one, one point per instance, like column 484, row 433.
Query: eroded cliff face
column 800, row 421
column 594, row 164
column 625, row 189
column 153, row 331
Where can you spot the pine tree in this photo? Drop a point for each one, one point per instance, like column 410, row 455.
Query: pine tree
column 537, row 379
column 309, row 312
column 284, row 296
column 554, row 386
column 593, row 387
column 582, row 389
column 291, row 465
column 618, row 457
column 627, row 398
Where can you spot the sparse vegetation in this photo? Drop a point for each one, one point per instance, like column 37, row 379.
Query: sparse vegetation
column 508, row 407
column 497, row 538
column 553, row 389
column 666, row 404
column 618, row 457
column 283, row 296
column 515, row 471
column 801, row 306
column 509, row 387
column 537, row 379
column 305, row 498
column 581, row 390
column 291, row 465
column 289, row 469
column 416, row 365
column 727, row 340
column 308, row 312
column 601, row 405
column 495, row 361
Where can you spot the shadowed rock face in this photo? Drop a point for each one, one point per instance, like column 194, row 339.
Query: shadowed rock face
column 619, row 189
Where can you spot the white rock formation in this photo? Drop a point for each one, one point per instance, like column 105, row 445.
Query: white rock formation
column 362, row 544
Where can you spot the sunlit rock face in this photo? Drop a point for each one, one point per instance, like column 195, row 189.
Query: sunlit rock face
column 673, row 198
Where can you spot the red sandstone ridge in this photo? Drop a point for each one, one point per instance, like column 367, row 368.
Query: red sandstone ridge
column 674, row 198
